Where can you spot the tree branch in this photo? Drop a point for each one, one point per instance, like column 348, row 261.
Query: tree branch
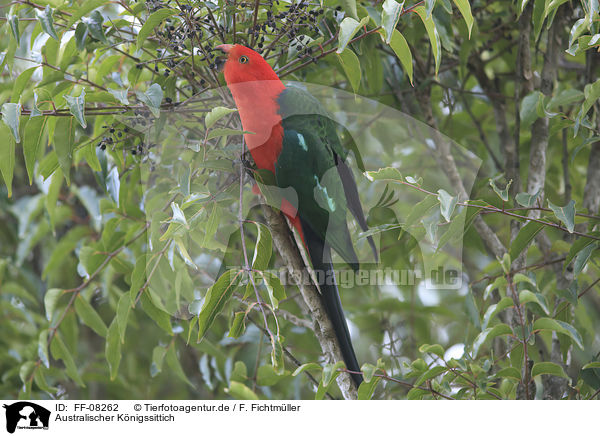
column 288, row 249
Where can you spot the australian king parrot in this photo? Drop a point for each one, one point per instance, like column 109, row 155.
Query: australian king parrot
column 292, row 137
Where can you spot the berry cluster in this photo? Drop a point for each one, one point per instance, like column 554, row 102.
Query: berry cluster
column 118, row 138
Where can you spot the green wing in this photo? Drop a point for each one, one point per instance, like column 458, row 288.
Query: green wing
column 299, row 107
column 307, row 165
column 312, row 162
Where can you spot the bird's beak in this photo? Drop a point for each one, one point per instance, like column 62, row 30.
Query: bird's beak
column 225, row 48
column 220, row 60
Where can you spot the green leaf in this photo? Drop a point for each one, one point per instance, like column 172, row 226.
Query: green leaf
column 13, row 20
column 240, row 391
column 64, row 137
column 447, row 204
column 524, row 237
column 277, row 355
column 349, row 7
column 68, row 242
column 502, row 193
column 369, row 370
column 577, row 246
column 566, row 214
column 390, row 13
column 592, row 94
column 582, row 258
column 159, row 316
column 51, row 200
column 266, row 376
column 415, row 394
column 83, row 9
column 238, row 325
column 7, row 57
column 178, row 215
column 548, row 368
column 577, row 30
column 529, row 112
column 10, row 116
column 212, row 225
column 510, row 372
column 88, row 315
column 138, row 277
column 81, row 33
column 494, row 309
column 152, row 22
column 566, row 97
column 351, row 65
column 26, row 370
column 158, row 357
column 112, row 350
column 505, row 262
column 311, row 366
column 434, row 37
column 539, row 8
column 402, row 51
column 216, row 114
column 348, row 29
column 489, row 334
column 121, row 95
column 431, row 373
column 7, row 163
column 183, row 252
column 527, row 200
column 152, row 98
column 436, row 349
column 559, row 327
column 123, row 310
column 458, row 226
column 60, row 351
column 522, row 278
column 429, row 5
column 32, row 140
column 21, row 83
column 526, row 296
column 431, row 224
column 175, row 365
column 77, row 107
column 465, row 10
column 591, row 365
column 330, row 373
column 113, row 184
column 388, row 173
column 420, row 209
column 215, row 300
column 40, row 380
column 45, row 19
column 43, row 348
column 50, row 299
column 94, row 23
column 263, row 248
column 274, row 288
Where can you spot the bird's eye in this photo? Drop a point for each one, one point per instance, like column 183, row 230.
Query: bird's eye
column 243, row 59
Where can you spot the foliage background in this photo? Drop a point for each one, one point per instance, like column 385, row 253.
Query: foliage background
column 514, row 82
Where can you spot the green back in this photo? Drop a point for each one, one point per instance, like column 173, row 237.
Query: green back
column 307, row 164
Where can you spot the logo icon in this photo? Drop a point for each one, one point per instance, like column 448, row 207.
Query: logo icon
column 26, row 415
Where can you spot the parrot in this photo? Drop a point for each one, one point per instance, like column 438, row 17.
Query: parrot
column 289, row 134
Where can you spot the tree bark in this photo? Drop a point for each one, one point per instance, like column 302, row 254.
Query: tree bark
column 288, row 249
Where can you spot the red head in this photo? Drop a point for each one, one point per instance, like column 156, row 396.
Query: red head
column 245, row 65
column 255, row 88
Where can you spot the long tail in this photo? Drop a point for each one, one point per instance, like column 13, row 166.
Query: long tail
column 320, row 254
